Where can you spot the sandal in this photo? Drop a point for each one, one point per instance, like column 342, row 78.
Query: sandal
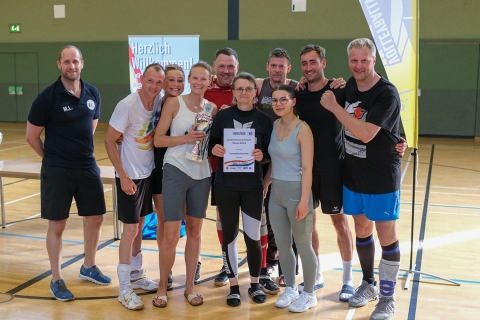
column 281, row 281
column 163, row 302
column 233, row 300
column 346, row 292
column 192, row 296
column 257, row 296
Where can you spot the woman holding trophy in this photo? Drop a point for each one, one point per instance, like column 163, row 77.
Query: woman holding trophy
column 186, row 177
column 240, row 137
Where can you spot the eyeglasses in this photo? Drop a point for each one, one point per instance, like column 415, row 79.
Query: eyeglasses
column 247, row 89
column 281, row 101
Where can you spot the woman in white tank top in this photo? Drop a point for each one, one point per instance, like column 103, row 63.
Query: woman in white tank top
column 185, row 182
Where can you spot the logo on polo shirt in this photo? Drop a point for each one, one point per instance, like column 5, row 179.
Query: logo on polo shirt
column 90, row 104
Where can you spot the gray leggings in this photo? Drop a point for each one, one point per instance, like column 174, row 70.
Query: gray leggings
column 284, row 198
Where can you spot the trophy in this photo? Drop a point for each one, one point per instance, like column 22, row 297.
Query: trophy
column 204, row 123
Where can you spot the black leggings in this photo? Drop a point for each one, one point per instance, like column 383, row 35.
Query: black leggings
column 250, row 203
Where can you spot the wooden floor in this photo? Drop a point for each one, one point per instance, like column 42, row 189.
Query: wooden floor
column 446, row 244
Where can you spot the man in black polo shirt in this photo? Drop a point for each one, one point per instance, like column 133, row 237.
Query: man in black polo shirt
column 68, row 110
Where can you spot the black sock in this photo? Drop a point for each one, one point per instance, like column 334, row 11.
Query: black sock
column 254, row 287
column 235, row 289
column 391, row 252
column 366, row 255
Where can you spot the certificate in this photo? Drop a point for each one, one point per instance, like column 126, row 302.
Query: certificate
column 239, row 145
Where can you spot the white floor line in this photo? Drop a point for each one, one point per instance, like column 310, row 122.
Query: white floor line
column 13, row 148
column 20, row 199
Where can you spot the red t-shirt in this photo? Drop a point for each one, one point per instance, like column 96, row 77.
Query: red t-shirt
column 220, row 96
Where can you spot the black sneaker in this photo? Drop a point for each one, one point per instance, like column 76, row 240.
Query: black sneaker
column 221, row 279
column 267, row 285
column 197, row 273
column 170, row 280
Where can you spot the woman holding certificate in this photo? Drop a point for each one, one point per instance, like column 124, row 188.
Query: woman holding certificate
column 290, row 205
column 186, row 177
column 240, row 137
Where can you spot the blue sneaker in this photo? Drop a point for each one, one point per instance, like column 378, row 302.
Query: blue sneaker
column 60, row 291
column 95, row 275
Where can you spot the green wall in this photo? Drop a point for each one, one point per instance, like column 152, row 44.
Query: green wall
column 449, row 48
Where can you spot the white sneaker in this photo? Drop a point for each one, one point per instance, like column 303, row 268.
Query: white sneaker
column 304, row 302
column 130, row 300
column 288, row 296
column 142, row 282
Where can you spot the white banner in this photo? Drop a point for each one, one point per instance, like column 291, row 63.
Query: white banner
column 144, row 50
column 394, row 27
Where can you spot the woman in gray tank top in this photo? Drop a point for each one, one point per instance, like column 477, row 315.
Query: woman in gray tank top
column 291, row 207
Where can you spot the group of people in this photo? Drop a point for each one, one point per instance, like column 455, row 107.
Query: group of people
column 332, row 143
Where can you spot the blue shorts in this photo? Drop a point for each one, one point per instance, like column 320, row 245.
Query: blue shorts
column 376, row 207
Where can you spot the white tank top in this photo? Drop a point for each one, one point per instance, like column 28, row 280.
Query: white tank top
column 176, row 155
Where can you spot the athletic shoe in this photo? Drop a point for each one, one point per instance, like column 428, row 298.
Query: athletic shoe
column 142, row 282
column 384, row 309
column 304, row 302
column 221, row 279
column 364, row 294
column 94, row 275
column 170, row 280
column 197, row 273
column 130, row 300
column 267, row 284
column 60, row 291
column 288, row 296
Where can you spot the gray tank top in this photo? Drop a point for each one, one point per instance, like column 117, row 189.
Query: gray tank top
column 286, row 156
column 265, row 97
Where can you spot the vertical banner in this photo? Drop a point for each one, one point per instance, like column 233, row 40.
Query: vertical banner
column 394, row 27
column 144, row 50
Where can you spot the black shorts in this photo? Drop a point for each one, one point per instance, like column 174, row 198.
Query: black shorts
column 213, row 202
column 157, row 181
column 59, row 186
column 131, row 208
column 327, row 190
column 157, row 173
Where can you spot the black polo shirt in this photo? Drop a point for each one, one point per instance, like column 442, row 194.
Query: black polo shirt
column 68, row 124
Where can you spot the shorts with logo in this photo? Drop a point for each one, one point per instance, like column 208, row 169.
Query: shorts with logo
column 131, row 208
column 376, row 207
column 181, row 189
column 327, row 191
column 59, row 186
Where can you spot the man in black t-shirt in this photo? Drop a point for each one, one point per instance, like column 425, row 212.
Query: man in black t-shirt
column 68, row 111
column 328, row 160
column 372, row 172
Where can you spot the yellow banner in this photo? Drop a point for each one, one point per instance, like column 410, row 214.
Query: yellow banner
column 394, row 27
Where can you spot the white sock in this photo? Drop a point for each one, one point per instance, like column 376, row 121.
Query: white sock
column 347, row 273
column 123, row 272
column 319, row 277
column 136, row 264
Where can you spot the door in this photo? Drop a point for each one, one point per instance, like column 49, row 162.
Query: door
column 19, row 85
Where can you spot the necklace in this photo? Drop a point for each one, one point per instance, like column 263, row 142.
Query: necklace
column 285, row 127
